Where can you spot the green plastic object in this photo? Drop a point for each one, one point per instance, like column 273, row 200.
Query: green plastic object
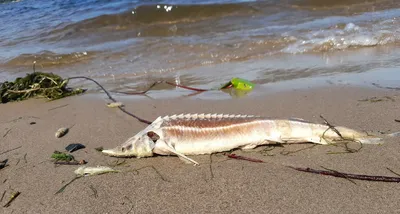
column 239, row 84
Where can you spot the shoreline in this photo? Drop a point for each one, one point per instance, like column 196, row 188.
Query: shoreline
column 219, row 184
column 307, row 72
column 380, row 79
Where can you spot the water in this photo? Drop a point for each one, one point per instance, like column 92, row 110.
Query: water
column 201, row 43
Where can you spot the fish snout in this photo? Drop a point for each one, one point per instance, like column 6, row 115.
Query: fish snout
column 115, row 152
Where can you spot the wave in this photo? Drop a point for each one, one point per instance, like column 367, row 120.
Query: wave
column 346, row 36
column 205, row 34
column 49, row 59
column 149, row 20
column 349, row 4
column 8, row 1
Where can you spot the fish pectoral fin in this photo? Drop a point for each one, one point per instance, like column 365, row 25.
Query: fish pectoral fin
column 275, row 140
column 171, row 149
column 186, row 161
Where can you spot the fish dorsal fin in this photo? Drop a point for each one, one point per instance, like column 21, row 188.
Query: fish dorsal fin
column 204, row 116
column 299, row 119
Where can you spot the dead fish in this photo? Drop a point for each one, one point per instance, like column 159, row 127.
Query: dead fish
column 196, row 134
column 87, row 170
column 61, row 132
column 115, row 104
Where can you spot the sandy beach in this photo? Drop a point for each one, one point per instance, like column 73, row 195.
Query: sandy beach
column 164, row 184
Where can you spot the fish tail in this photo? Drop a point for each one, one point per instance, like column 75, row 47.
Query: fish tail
column 369, row 140
column 361, row 137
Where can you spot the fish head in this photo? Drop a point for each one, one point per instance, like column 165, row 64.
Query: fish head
column 140, row 145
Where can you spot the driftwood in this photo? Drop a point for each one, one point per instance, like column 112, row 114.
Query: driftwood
column 348, row 176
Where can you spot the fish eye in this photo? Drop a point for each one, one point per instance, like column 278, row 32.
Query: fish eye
column 153, row 136
column 123, row 149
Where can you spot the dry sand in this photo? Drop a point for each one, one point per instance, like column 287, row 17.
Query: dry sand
column 219, row 184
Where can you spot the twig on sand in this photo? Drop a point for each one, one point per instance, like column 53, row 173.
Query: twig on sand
column 393, row 171
column 12, row 198
column 2, row 196
column 65, row 186
column 94, row 190
column 10, row 150
column 131, row 204
column 62, row 106
column 334, row 173
column 234, row 156
column 159, row 174
column 7, row 132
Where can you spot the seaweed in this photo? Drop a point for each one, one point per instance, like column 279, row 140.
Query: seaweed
column 36, row 85
column 61, row 156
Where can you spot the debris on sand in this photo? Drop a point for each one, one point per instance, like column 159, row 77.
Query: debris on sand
column 85, row 170
column 3, row 163
column 12, row 198
column 36, row 84
column 73, row 147
column 115, row 104
column 61, row 132
column 61, row 156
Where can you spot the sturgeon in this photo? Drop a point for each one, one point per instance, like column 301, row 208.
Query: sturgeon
column 196, row 134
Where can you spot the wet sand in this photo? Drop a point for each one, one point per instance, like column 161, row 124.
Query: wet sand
column 219, row 185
